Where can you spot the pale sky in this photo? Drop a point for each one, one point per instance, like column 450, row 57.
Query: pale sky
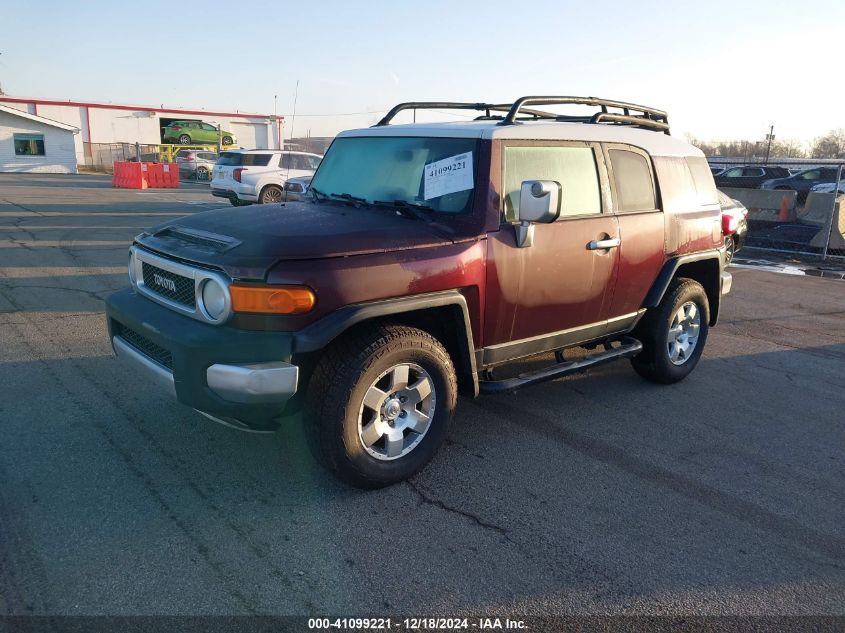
column 722, row 69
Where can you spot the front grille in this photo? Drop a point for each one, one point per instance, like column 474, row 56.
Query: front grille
column 144, row 345
column 169, row 285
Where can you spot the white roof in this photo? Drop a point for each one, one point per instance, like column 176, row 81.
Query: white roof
column 655, row 143
column 37, row 119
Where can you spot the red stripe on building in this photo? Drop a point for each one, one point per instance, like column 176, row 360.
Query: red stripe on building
column 111, row 106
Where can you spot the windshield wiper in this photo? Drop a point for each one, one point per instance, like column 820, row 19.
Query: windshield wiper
column 408, row 209
column 348, row 197
column 317, row 193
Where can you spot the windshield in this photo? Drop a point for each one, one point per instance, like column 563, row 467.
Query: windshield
column 432, row 172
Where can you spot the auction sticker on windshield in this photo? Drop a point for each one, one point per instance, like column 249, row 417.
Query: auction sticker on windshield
column 449, row 175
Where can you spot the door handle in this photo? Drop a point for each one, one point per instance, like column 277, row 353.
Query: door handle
column 600, row 245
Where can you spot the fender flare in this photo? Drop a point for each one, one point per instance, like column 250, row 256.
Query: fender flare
column 670, row 268
column 322, row 332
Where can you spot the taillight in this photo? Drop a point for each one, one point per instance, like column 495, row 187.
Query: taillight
column 189, row 156
column 237, row 173
column 176, row 127
column 730, row 223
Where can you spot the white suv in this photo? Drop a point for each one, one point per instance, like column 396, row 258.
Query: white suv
column 259, row 175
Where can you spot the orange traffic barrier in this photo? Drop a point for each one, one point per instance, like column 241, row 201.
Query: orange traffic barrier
column 145, row 175
column 783, row 214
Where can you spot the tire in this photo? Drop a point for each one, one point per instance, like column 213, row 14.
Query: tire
column 203, row 174
column 662, row 361
column 227, row 140
column 271, row 194
column 350, row 397
column 236, row 203
column 184, row 140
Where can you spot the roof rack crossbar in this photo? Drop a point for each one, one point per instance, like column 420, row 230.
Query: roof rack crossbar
column 643, row 116
column 487, row 108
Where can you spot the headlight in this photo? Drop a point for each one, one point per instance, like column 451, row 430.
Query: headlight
column 132, row 268
column 213, row 299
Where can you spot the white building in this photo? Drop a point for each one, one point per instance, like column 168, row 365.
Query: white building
column 115, row 123
column 31, row 143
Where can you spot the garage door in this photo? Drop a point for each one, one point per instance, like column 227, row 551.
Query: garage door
column 251, row 135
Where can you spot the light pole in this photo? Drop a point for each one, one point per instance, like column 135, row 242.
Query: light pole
column 769, row 138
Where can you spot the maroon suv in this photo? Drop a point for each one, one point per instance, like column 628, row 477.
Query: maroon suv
column 425, row 256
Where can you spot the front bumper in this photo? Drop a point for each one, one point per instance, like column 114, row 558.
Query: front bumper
column 238, row 377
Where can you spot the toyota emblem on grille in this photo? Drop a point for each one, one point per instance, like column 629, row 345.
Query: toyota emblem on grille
column 164, row 282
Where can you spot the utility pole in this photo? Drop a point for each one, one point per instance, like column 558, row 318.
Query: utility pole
column 769, row 138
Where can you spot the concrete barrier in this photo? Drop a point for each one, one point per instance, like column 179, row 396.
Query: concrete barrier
column 837, row 233
column 817, row 209
column 764, row 205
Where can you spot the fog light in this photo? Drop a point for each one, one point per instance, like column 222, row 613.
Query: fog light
column 213, row 299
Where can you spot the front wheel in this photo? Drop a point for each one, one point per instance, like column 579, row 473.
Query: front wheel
column 227, row 140
column 673, row 334
column 379, row 404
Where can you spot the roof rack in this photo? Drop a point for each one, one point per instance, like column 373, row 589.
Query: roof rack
column 631, row 114
column 487, row 108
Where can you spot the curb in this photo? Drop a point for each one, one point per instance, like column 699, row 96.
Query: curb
column 827, row 274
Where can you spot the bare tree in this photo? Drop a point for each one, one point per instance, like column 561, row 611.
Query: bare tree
column 831, row 145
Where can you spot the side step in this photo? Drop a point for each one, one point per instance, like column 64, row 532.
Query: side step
column 630, row 347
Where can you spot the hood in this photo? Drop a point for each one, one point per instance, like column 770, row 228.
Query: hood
column 247, row 241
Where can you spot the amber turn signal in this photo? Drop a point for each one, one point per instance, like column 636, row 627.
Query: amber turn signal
column 272, row 299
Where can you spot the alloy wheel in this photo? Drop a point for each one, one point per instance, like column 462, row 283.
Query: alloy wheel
column 396, row 412
column 683, row 333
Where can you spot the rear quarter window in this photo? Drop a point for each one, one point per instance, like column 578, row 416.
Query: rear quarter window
column 703, row 180
column 677, row 188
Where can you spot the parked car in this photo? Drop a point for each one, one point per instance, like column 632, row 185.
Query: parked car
column 734, row 225
column 803, row 181
column 716, row 170
column 749, row 176
column 195, row 163
column 427, row 256
column 247, row 176
column 830, row 187
column 196, row 132
column 297, row 188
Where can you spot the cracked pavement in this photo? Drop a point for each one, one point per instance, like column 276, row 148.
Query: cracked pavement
column 593, row 494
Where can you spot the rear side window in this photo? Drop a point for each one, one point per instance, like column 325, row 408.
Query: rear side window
column 573, row 167
column 703, row 179
column 236, row 159
column 634, row 186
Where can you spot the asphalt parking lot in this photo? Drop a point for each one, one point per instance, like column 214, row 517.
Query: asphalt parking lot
column 597, row 493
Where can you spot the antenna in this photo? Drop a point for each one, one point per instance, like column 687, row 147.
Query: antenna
column 292, row 127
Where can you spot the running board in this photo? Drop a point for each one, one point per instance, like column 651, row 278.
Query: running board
column 630, row 347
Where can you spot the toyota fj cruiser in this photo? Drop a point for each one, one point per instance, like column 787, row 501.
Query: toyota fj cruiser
column 426, row 256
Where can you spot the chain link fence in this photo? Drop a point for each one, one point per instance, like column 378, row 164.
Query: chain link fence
column 195, row 162
column 795, row 205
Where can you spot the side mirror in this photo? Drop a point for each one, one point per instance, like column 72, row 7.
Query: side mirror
column 539, row 201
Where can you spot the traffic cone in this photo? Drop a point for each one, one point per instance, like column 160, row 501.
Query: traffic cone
column 783, row 214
